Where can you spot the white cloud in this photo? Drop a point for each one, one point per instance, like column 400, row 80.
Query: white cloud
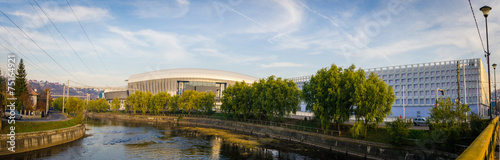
column 281, row 64
column 57, row 13
column 157, row 9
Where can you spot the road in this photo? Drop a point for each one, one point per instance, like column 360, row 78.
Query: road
column 51, row 117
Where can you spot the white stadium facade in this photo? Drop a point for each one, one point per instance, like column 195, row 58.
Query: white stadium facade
column 176, row 81
column 415, row 85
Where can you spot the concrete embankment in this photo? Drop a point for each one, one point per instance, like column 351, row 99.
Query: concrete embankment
column 30, row 141
column 371, row 150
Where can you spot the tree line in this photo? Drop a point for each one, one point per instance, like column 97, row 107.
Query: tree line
column 188, row 101
column 334, row 93
column 266, row 99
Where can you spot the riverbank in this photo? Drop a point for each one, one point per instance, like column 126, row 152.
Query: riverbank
column 31, row 141
column 371, row 150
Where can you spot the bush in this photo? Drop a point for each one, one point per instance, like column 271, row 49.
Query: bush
column 357, row 130
column 477, row 125
column 399, row 130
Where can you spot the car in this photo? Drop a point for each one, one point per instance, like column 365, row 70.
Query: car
column 418, row 121
column 17, row 115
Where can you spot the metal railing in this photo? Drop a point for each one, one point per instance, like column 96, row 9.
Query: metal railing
column 483, row 147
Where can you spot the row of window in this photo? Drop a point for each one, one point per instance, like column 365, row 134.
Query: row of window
column 431, row 85
column 431, row 79
column 428, row 101
column 432, row 73
column 432, row 92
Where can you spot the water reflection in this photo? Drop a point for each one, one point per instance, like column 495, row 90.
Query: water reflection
column 109, row 139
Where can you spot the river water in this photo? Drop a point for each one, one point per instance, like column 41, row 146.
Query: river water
column 109, row 139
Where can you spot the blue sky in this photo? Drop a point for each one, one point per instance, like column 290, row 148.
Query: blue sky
column 286, row 38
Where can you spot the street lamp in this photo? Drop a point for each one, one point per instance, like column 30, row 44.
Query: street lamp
column 495, row 83
column 437, row 98
column 486, row 10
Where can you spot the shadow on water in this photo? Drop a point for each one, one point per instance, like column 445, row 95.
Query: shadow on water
column 113, row 139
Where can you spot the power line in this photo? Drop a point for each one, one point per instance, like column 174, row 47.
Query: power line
column 93, row 47
column 68, row 42
column 51, row 35
column 477, row 27
column 38, row 45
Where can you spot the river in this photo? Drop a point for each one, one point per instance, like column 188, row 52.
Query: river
column 110, row 139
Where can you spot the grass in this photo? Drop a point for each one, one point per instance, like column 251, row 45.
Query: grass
column 23, row 127
column 247, row 141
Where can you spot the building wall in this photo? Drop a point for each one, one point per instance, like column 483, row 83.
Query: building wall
column 420, row 82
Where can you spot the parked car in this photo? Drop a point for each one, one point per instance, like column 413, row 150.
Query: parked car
column 16, row 116
column 418, row 121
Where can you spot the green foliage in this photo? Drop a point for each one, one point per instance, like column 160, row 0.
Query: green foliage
column 145, row 101
column 115, row 104
column 399, row 130
column 207, row 102
column 477, row 125
column 98, row 105
column 374, row 100
column 74, row 105
column 172, row 103
column 21, row 86
column 357, row 129
column 133, row 101
column 188, row 101
column 331, row 94
column 272, row 98
column 57, row 103
column 449, row 120
column 160, row 102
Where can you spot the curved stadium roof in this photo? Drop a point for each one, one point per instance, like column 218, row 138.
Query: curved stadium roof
column 191, row 73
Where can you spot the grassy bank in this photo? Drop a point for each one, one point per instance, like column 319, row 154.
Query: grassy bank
column 247, row 141
column 22, row 127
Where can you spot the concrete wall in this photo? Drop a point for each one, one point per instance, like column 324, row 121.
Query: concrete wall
column 30, row 141
column 371, row 150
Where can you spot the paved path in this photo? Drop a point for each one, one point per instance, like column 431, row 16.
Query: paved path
column 51, row 117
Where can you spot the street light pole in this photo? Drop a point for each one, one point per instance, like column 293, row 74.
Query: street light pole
column 495, row 83
column 486, row 10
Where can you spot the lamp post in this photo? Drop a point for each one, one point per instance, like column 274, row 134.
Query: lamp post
column 437, row 98
column 495, row 83
column 486, row 10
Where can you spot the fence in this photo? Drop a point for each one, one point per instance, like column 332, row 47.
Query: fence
column 484, row 145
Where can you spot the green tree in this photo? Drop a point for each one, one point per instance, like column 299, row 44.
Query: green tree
column 279, row 98
column 145, row 100
column 374, row 100
column 57, row 103
column 172, row 103
column 188, row 100
column 115, row 104
column 160, row 101
column 20, row 86
column 74, row 105
column 331, row 94
column 237, row 100
column 133, row 101
column 399, row 130
column 207, row 101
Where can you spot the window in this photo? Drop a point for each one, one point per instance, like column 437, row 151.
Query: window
column 415, row 80
column 396, row 87
column 421, row 79
column 426, row 73
column 403, row 81
column 427, row 79
column 432, row 73
column 426, row 85
column 438, row 85
column 397, row 75
column 390, row 81
column 415, row 86
column 427, row 101
column 397, row 80
column 415, row 93
column 433, row 100
column 415, row 75
column 397, row 101
column 432, row 78
column 421, row 74
column 409, row 86
column 410, row 93
column 415, row 101
column 421, row 101
column 384, row 77
column 390, row 76
column 432, row 85
column 396, row 93
column 426, row 92
column 410, row 101
column 421, row 85
column 409, row 74
column 421, row 93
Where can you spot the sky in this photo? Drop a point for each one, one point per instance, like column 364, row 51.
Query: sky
column 101, row 43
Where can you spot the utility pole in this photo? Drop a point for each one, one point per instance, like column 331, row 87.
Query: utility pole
column 67, row 97
column 47, row 106
column 404, row 102
column 458, row 81
column 64, row 92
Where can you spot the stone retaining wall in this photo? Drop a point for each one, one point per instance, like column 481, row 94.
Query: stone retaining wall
column 371, row 150
column 30, row 141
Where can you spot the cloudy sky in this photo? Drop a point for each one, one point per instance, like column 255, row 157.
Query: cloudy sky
column 102, row 43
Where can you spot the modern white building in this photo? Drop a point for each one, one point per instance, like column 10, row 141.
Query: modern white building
column 415, row 85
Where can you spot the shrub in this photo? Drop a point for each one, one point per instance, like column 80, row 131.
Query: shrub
column 477, row 125
column 399, row 130
column 357, row 129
